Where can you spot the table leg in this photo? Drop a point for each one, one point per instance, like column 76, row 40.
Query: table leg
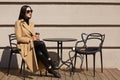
column 59, row 51
column 60, row 55
column 60, row 43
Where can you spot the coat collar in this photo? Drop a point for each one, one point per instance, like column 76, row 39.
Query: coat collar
column 28, row 27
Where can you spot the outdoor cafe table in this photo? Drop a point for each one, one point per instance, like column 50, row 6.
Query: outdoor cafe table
column 60, row 47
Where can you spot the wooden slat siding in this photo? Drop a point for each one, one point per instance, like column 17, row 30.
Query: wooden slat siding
column 102, row 75
column 38, row 77
column 10, row 78
column 48, row 78
column 35, row 76
column 89, row 75
column 67, row 76
column 109, row 75
column 59, row 71
column 115, row 75
column 76, row 76
column 117, row 72
column 97, row 76
column 82, row 75
column 62, row 75
column 60, row 3
column 15, row 75
column 53, row 78
column 1, row 75
column 106, row 74
column 69, row 25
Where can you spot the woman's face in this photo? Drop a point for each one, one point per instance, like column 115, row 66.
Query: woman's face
column 28, row 13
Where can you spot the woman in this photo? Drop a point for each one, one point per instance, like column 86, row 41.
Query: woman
column 33, row 51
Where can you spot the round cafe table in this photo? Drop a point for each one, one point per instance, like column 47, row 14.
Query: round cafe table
column 60, row 47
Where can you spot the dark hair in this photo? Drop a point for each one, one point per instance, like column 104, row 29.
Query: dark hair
column 23, row 11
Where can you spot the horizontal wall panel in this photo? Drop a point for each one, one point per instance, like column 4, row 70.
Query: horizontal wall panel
column 64, row 14
column 111, row 40
column 60, row 1
column 69, row 25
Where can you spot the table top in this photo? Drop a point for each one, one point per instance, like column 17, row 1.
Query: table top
column 60, row 39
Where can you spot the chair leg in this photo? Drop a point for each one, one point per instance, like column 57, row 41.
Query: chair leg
column 101, row 61
column 40, row 73
column 23, row 70
column 9, row 63
column 82, row 57
column 46, row 72
column 74, row 63
column 71, row 70
column 86, row 62
column 22, row 63
column 94, row 65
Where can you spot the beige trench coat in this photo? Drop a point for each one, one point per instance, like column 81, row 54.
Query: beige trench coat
column 24, row 33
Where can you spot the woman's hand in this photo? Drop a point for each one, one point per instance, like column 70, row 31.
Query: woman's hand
column 36, row 38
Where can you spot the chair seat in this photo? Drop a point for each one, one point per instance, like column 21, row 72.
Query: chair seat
column 89, row 50
column 15, row 50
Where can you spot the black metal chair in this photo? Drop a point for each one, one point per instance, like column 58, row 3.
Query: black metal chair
column 14, row 50
column 92, row 43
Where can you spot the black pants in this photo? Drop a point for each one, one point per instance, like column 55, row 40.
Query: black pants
column 42, row 53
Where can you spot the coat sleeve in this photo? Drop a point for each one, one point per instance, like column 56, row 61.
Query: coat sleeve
column 18, row 32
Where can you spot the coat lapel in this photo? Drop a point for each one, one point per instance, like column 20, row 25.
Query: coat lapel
column 27, row 27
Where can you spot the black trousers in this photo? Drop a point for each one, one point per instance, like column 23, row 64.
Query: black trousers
column 42, row 53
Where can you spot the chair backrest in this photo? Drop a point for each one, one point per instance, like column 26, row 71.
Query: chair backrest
column 93, row 39
column 13, row 43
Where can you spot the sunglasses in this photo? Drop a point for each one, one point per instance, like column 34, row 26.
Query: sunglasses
column 28, row 11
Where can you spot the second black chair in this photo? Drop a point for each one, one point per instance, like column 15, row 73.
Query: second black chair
column 92, row 43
